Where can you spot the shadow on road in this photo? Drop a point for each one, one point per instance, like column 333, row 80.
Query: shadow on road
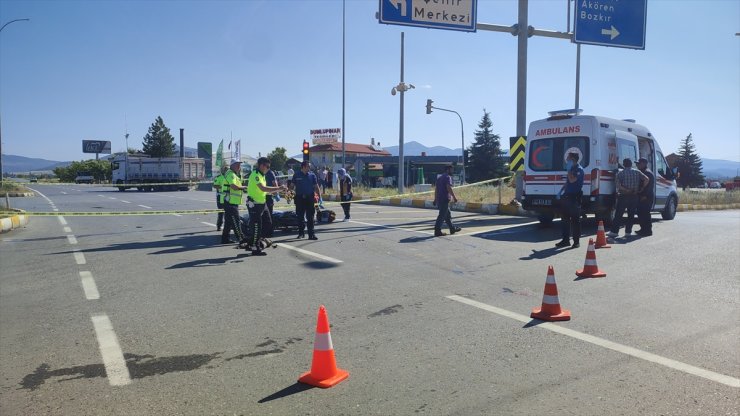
column 175, row 245
column 208, row 262
column 288, row 391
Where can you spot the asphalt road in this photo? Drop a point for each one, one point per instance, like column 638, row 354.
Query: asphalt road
column 148, row 315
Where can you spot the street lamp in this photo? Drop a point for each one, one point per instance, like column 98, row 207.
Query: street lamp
column 1, row 135
column 462, row 133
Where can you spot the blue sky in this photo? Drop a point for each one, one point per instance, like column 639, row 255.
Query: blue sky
column 270, row 71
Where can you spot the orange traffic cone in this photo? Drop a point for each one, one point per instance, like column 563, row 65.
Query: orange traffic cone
column 324, row 372
column 550, row 310
column 601, row 237
column 590, row 268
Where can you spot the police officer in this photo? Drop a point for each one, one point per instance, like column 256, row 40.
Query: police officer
column 257, row 191
column 272, row 181
column 645, row 200
column 306, row 186
column 232, row 200
column 570, row 196
column 218, row 184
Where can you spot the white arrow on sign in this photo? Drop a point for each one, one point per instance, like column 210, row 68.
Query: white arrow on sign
column 613, row 32
column 402, row 3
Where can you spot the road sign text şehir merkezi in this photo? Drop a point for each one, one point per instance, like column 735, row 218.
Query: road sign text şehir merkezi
column 437, row 14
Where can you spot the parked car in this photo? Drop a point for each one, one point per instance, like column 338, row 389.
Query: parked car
column 84, row 177
column 33, row 179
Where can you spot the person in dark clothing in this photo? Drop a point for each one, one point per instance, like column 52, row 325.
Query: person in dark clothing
column 570, row 203
column 443, row 193
column 272, row 181
column 306, row 186
column 345, row 191
column 630, row 183
column 645, row 202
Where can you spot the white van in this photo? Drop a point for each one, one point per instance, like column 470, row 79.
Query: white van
column 602, row 144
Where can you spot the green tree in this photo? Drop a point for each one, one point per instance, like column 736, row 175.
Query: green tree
column 689, row 165
column 278, row 159
column 484, row 155
column 99, row 169
column 158, row 142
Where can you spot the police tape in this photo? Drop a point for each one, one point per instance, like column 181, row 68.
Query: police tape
column 216, row 211
column 123, row 185
column 411, row 194
column 110, row 213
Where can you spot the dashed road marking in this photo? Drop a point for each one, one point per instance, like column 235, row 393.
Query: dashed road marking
column 79, row 257
column 310, row 253
column 63, row 193
column 110, row 350
column 71, row 238
column 62, row 220
column 634, row 352
column 125, row 202
column 144, row 206
column 208, row 223
column 177, row 215
column 55, row 209
column 499, row 230
column 89, row 286
column 67, row 230
column 110, row 197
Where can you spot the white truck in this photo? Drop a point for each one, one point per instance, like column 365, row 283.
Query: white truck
column 161, row 174
column 602, row 143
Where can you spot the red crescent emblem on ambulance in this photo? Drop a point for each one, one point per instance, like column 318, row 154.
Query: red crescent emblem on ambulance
column 535, row 154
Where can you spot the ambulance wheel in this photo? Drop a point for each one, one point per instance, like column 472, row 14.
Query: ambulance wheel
column 669, row 212
column 546, row 219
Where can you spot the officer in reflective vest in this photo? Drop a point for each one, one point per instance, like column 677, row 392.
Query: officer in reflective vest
column 257, row 191
column 232, row 200
column 218, row 183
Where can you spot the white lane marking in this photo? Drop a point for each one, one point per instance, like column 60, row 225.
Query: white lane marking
column 392, row 228
column 634, row 352
column 310, row 253
column 102, row 196
column 125, row 202
column 71, row 238
column 144, row 206
column 500, row 230
column 89, row 286
column 42, row 195
column 79, row 257
column 67, row 230
column 64, row 193
column 62, row 220
column 208, row 223
column 110, row 197
column 110, row 350
column 56, row 210
column 177, row 215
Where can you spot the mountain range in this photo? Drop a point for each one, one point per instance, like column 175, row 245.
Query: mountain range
column 712, row 168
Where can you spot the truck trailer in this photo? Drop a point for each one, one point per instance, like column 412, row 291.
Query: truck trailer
column 156, row 173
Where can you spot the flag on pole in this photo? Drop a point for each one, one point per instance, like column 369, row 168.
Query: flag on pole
column 220, row 156
column 238, row 150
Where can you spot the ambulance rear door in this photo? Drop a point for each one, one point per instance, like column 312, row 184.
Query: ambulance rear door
column 547, row 148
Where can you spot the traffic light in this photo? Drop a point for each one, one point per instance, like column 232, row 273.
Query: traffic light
column 429, row 106
column 306, row 151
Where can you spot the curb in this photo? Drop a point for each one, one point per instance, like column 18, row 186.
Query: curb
column 704, row 207
column 12, row 222
column 477, row 207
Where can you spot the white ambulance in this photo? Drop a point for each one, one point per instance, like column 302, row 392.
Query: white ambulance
column 602, row 143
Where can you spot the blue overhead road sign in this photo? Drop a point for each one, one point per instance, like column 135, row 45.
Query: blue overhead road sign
column 436, row 14
column 619, row 23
